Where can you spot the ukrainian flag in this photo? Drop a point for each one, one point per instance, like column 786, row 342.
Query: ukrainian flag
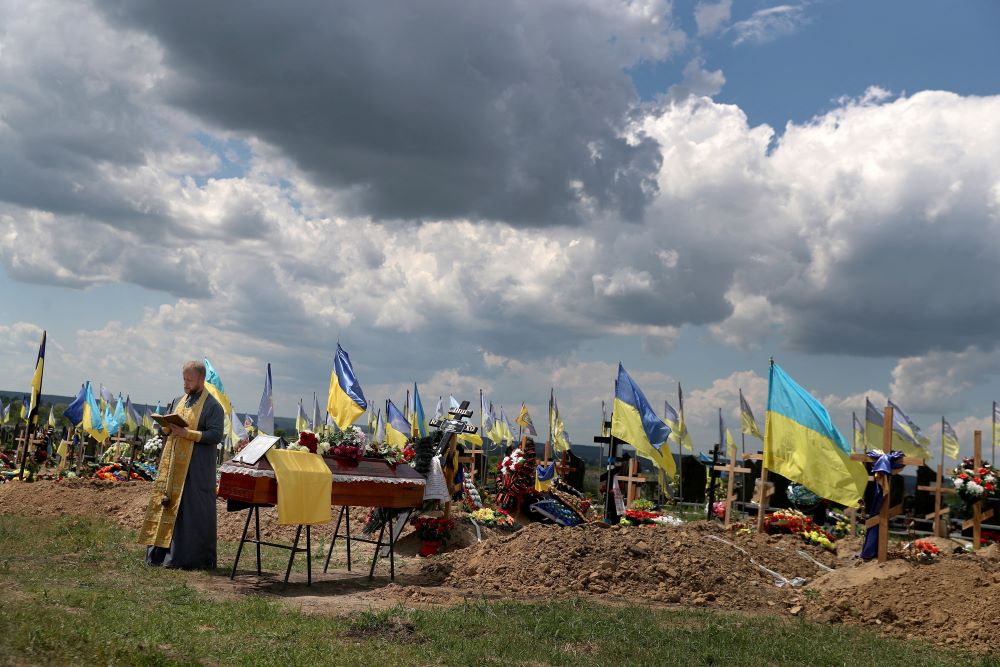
column 633, row 420
column 949, row 440
column 419, row 424
column 93, row 424
column 74, row 411
column 36, row 380
column 802, row 444
column 346, row 401
column 397, row 429
column 903, row 439
column 213, row 383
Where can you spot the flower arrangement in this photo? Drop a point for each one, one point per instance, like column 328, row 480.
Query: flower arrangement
column 433, row 529
column 719, row 509
column 115, row 473
column 513, row 463
column 974, row 483
column 643, row 504
column 152, row 448
column 793, row 522
column 390, row 454
column 307, row 442
column 495, row 519
column 639, row 517
column 351, row 443
column 920, row 551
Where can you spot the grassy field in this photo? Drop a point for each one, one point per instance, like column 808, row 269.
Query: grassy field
column 76, row 592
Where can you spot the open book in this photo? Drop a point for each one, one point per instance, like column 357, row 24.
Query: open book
column 256, row 449
column 169, row 420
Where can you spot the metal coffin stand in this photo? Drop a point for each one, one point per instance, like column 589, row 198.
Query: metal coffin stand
column 366, row 483
column 254, row 512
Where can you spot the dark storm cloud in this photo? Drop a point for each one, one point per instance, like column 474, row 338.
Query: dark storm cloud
column 503, row 111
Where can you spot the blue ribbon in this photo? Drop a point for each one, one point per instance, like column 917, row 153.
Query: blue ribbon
column 884, row 465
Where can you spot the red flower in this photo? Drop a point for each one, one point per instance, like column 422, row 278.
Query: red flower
column 988, row 486
column 977, row 480
column 982, row 471
column 309, row 440
column 963, row 476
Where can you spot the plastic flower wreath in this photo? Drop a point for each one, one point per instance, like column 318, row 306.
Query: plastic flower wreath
column 974, row 483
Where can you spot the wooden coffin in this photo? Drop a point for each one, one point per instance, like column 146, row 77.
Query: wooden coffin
column 370, row 482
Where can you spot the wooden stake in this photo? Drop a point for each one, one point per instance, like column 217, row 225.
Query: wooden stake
column 978, row 515
column 632, row 481
column 938, row 489
column 764, row 492
column 730, row 469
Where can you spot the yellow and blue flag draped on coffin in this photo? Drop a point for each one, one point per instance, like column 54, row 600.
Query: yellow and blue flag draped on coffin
column 633, row 421
column 418, row 423
column 92, row 421
column 904, row 439
column 949, row 440
column 397, row 429
column 304, row 487
column 802, row 444
column 346, row 401
column 36, row 379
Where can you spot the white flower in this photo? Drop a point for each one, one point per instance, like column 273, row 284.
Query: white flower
column 973, row 489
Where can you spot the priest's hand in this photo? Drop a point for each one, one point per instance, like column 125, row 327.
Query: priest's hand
column 180, row 432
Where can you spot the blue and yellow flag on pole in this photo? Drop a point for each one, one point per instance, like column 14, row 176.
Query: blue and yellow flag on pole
column 419, row 424
column 397, row 429
column 93, row 423
column 36, row 380
column 213, row 383
column 346, row 401
column 749, row 422
column 74, row 411
column 802, row 444
column 904, row 439
column 949, row 440
column 265, row 411
column 633, row 421
column 301, row 420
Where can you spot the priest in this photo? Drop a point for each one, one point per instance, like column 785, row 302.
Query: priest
column 180, row 527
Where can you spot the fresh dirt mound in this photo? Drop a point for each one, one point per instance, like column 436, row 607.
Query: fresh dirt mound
column 679, row 565
column 947, row 601
column 125, row 503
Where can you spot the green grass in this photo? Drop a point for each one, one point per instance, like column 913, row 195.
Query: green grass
column 76, row 592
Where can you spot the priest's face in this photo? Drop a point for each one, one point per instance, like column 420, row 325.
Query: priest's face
column 193, row 381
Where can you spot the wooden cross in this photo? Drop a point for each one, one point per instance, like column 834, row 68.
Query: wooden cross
column 938, row 489
column 978, row 515
column 765, row 491
column 563, row 467
column 470, row 457
column 886, row 512
column 730, row 469
column 632, row 481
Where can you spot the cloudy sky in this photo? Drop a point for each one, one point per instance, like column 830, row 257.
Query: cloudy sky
column 507, row 196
